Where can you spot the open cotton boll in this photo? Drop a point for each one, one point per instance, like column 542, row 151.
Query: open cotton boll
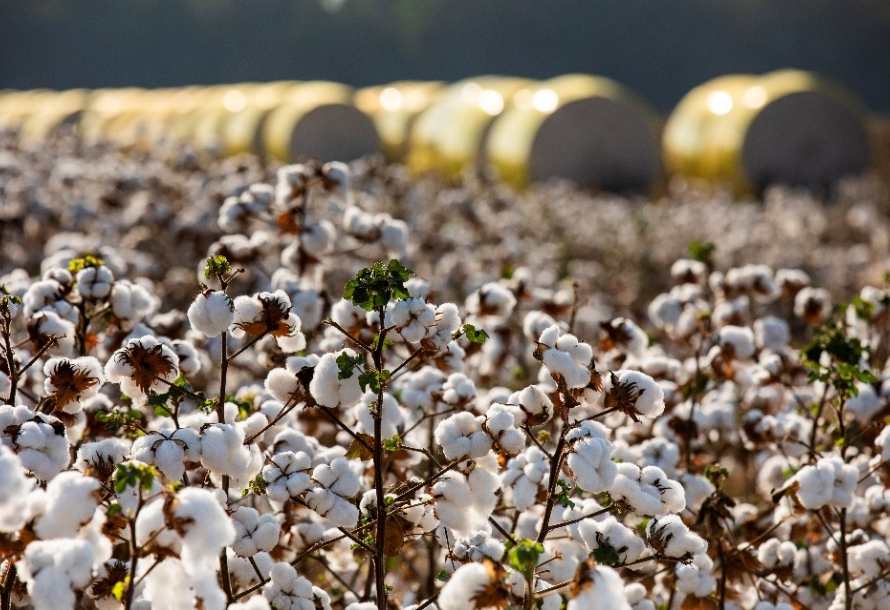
column 813, row 305
column 411, row 318
column 16, row 487
column 864, row 406
column 565, row 357
column 609, row 532
column 143, row 365
column 326, row 386
column 590, row 457
column 39, row 440
column 870, row 558
column 70, row 381
column 130, row 302
column 268, row 313
column 536, row 322
column 598, row 587
column 649, row 394
column 501, row 425
column 477, row 546
column 526, row 474
column 169, row 450
column 211, row 313
column 45, row 324
column 334, row 483
column 458, row 390
column 318, row 238
column 774, row 554
column 461, row 436
column 287, row 475
column 492, row 299
column 882, row 443
column 254, row 532
column 52, row 569
column 736, row 342
column 71, row 501
column 451, row 493
column 223, row 451
column 771, row 333
column 670, row 537
column 534, row 404
column 392, row 419
column 166, row 586
column 648, row 490
column 624, row 335
column 394, row 236
column 463, row 588
column 447, row 322
column 100, row 458
column 287, row 591
column 829, row 482
column 94, row 282
column 417, row 387
column 695, row 578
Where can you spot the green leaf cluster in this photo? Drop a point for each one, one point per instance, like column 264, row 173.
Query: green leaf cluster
column 79, row 264
column 564, row 494
column 375, row 286
column 140, row 476
column 524, row 557
column 702, row 251
column 217, row 266
column 373, row 380
column 257, row 486
column 475, row 335
column 346, row 364
column 846, row 356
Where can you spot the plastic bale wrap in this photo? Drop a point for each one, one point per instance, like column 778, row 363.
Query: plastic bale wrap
column 394, row 108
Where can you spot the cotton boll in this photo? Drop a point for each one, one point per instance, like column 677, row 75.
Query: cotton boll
column 829, row 482
column 287, row 475
column 813, row 305
column 411, row 318
column 648, row 490
column 39, row 440
column 864, row 406
column 536, row 322
column 600, row 587
column 565, row 357
column 477, row 546
column 736, row 342
column 535, row 407
column 169, row 450
column 492, row 299
column 451, row 492
column 166, row 586
column 670, row 537
column 16, row 487
column 318, row 238
column 695, row 578
column 51, row 569
column 141, row 366
column 326, row 386
column 46, row 324
column 636, row 597
column 130, row 303
column 467, row 582
column 590, row 459
column 254, row 532
column 526, row 474
column 609, row 532
column 100, row 459
column 94, row 282
column 211, row 313
column 447, row 322
column 392, row 419
column 335, row 483
column 501, row 425
column 223, row 451
column 461, row 436
column 649, row 394
column 870, row 558
column 70, row 381
column 771, row 333
column 458, row 390
column 287, row 591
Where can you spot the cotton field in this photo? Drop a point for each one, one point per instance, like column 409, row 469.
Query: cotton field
column 227, row 383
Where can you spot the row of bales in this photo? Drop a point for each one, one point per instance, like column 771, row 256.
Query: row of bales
column 741, row 131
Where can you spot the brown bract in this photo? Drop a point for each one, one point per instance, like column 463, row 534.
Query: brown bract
column 148, row 364
column 70, row 382
column 495, row 593
column 272, row 320
column 623, row 397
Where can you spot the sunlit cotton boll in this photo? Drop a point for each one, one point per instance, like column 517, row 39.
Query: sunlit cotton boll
column 130, row 302
column 94, row 282
column 53, row 568
column 211, row 313
column 591, row 457
column 16, row 487
column 599, row 587
column 412, row 318
column 671, row 537
column 829, row 482
column 71, row 500
column 326, row 386
column 254, row 532
column 287, row 591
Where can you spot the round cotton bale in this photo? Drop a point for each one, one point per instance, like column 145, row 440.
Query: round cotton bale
column 450, row 135
column 55, row 111
column 17, row 106
column 106, row 110
column 242, row 127
column 317, row 120
column 787, row 127
column 577, row 127
column 393, row 108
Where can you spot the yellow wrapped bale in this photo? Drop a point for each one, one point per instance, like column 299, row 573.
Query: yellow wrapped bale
column 450, row 135
column 317, row 120
column 393, row 108
column 578, row 127
column 788, row 127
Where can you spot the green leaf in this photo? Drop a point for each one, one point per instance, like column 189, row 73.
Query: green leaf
column 373, row 380
column 79, row 264
column 113, row 509
column 347, row 363
column 140, row 476
column 442, row 575
column 475, row 335
column 716, row 474
column 257, row 486
column 564, row 493
column 702, row 251
column 375, row 286
column 524, row 556
column 392, row 444
column 605, row 553
column 217, row 266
